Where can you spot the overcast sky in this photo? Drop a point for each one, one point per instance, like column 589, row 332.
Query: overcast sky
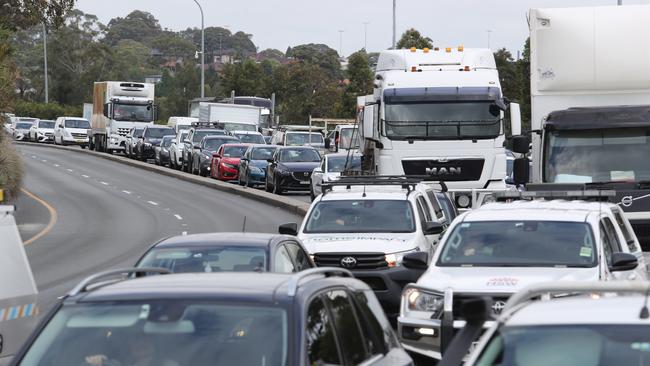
column 282, row 23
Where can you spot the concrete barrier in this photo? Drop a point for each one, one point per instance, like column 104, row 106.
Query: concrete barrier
column 286, row 203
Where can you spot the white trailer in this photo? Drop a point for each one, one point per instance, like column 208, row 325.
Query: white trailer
column 87, row 112
column 438, row 113
column 119, row 106
column 18, row 308
column 233, row 117
column 590, row 99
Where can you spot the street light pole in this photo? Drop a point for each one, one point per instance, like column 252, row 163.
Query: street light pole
column 47, row 98
column 394, row 23
column 341, row 43
column 365, row 36
column 202, row 52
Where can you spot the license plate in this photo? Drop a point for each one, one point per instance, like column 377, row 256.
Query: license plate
column 79, row 140
column 304, row 182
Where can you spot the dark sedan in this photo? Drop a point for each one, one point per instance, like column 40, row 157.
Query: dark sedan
column 229, row 252
column 161, row 154
column 290, row 168
column 151, row 138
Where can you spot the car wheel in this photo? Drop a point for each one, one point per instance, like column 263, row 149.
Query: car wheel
column 276, row 186
column 267, row 185
column 83, row 147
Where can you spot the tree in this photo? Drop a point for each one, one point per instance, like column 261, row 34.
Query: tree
column 20, row 14
column 139, row 26
column 318, row 54
column 413, row 38
column 172, row 45
column 360, row 82
column 523, row 67
column 508, row 75
column 131, row 61
column 271, row 54
column 245, row 78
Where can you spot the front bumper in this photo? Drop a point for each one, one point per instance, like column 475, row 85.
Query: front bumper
column 148, row 152
column 44, row 138
column 228, row 174
column 289, row 182
column 387, row 284
column 257, row 178
column 19, row 136
column 75, row 140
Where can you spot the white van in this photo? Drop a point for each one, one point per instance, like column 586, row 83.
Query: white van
column 181, row 123
column 71, row 131
column 18, row 290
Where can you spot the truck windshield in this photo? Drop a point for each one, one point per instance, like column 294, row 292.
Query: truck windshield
column 162, row 332
column 133, row 112
column 442, row 120
column 589, row 156
column 364, row 216
column 77, row 123
column 500, row 244
column 157, row 133
column 303, row 138
column 589, row 344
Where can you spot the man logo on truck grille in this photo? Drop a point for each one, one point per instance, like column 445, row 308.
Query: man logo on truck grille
column 348, row 262
column 498, row 306
column 444, row 171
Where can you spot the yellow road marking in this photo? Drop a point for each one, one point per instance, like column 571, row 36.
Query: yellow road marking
column 53, row 217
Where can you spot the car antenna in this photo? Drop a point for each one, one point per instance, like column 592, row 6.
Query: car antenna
column 364, row 191
column 644, row 310
column 243, row 229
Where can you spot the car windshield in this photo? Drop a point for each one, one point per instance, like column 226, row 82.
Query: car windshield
column 231, row 126
column 77, row 123
column 262, row 153
column 215, row 144
column 158, row 132
column 303, row 138
column 299, row 156
column 580, row 156
column 337, row 164
column 349, row 138
column 234, row 151
column 167, row 141
column 214, row 259
column 200, row 134
column 250, row 138
column 46, row 124
column 568, row 345
column 363, row 216
column 162, row 332
column 502, row 243
column 138, row 132
column 23, row 126
column 133, row 112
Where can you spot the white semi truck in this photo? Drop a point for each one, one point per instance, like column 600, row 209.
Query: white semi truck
column 232, row 117
column 119, row 106
column 440, row 113
column 590, row 99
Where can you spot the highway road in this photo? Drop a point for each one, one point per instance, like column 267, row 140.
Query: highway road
column 81, row 214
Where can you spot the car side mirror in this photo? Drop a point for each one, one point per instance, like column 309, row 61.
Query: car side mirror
column 623, row 262
column 288, row 229
column 432, row 228
column 216, row 155
column 521, row 144
column 270, row 160
column 328, row 142
column 243, row 159
column 521, row 170
column 416, row 260
column 317, row 170
column 186, row 141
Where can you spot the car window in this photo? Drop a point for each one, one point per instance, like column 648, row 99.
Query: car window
column 627, row 233
column 299, row 256
column 607, row 244
column 424, row 210
column 217, row 259
column 373, row 331
column 613, row 237
column 434, row 202
column 320, row 340
column 347, row 327
column 282, row 261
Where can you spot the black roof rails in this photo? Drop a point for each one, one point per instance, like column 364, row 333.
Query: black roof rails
column 208, row 124
column 294, row 282
column 568, row 194
column 407, row 182
column 112, row 276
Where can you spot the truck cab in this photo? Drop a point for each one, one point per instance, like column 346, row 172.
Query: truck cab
column 437, row 112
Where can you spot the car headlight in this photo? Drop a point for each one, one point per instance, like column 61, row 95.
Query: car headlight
column 395, row 259
column 422, row 304
column 231, row 166
column 147, row 144
column 207, row 156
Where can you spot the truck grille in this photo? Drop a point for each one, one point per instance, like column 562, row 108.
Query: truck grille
column 453, row 170
column 79, row 135
column 351, row 260
column 301, row 176
column 123, row 131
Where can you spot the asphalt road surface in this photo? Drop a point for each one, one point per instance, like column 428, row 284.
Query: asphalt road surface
column 81, row 214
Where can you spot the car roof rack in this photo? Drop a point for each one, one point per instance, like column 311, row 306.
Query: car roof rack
column 596, row 195
column 407, row 182
column 539, row 290
column 295, row 280
column 208, row 124
column 108, row 277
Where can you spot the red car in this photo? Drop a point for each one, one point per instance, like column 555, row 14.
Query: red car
column 225, row 162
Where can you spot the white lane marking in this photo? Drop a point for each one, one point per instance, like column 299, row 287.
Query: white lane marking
column 85, row 176
column 45, row 161
column 33, row 157
column 57, row 165
column 152, row 203
column 104, row 183
column 178, row 217
column 184, row 225
column 70, row 170
column 127, row 192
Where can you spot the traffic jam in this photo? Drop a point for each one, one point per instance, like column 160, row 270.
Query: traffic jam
column 437, row 232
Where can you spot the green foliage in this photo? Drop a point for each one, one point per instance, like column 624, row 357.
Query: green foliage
column 318, row 54
column 7, row 71
column 46, row 111
column 245, row 78
column 20, row 14
column 360, row 82
column 174, row 92
column 413, row 38
column 139, row 26
column 11, row 167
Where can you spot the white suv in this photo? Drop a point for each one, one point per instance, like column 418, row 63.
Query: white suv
column 369, row 229
column 501, row 247
column 71, row 131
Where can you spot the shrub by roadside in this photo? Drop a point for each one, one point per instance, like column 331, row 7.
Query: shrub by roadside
column 45, row 111
column 11, row 167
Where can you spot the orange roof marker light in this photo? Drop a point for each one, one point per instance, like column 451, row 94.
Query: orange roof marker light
column 436, row 48
column 413, row 49
column 425, row 50
column 467, row 68
column 461, row 48
column 448, row 49
column 414, row 69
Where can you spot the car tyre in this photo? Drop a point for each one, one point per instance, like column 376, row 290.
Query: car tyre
column 267, row 185
column 276, row 187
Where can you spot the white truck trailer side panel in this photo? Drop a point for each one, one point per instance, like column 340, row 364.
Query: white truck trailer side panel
column 222, row 112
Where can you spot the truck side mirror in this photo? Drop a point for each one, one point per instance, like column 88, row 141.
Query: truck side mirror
column 623, row 262
column 521, row 171
column 328, row 143
column 107, row 110
column 515, row 119
column 521, row 144
column 288, row 229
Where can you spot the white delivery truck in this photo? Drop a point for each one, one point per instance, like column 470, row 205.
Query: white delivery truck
column 87, row 113
column 119, row 106
column 590, row 99
column 18, row 291
column 181, row 123
column 440, row 113
column 232, row 117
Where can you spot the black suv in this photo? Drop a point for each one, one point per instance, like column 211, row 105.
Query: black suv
column 151, row 138
column 192, row 143
column 290, row 168
column 318, row 316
